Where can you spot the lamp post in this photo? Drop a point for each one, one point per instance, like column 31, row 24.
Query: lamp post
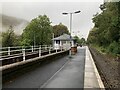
column 71, row 27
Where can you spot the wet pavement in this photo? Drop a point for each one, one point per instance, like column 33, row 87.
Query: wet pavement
column 62, row 73
column 71, row 75
column 38, row 76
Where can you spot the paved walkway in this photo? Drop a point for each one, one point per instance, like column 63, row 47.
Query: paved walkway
column 36, row 77
column 79, row 72
column 71, row 75
column 92, row 78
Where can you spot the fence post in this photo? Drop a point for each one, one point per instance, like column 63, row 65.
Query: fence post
column 49, row 49
column 40, row 51
column 46, row 47
column 32, row 48
column 8, row 50
column 56, row 50
column 23, row 51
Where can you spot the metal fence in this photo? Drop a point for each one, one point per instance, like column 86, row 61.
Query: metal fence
column 12, row 51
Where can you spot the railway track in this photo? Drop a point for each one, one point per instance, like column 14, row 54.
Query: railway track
column 101, row 71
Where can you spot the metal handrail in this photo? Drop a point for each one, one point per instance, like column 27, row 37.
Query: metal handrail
column 20, row 48
column 23, row 51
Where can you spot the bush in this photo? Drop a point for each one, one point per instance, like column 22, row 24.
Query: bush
column 103, row 49
column 114, row 48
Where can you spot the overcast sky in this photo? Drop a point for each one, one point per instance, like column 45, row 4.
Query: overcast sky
column 81, row 23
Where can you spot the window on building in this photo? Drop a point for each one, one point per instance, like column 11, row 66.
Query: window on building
column 57, row 41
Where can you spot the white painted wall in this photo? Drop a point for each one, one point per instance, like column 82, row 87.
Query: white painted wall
column 63, row 45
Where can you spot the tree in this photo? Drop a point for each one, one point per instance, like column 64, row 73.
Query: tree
column 60, row 29
column 77, row 39
column 8, row 38
column 106, row 32
column 80, row 41
column 37, row 32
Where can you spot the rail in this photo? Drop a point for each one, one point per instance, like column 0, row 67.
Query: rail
column 8, row 53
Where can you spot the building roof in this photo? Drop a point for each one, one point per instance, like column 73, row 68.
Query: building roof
column 65, row 37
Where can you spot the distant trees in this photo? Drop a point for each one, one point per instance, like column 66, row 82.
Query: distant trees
column 80, row 40
column 77, row 39
column 9, row 38
column 60, row 29
column 37, row 32
column 83, row 41
column 106, row 32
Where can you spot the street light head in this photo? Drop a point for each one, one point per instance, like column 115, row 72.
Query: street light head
column 65, row 13
column 77, row 12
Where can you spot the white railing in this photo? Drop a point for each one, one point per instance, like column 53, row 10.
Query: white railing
column 12, row 51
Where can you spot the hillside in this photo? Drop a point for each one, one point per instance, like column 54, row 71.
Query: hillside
column 17, row 23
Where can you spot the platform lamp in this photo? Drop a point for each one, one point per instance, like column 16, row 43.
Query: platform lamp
column 70, row 27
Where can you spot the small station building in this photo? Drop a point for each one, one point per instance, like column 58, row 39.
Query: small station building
column 63, row 42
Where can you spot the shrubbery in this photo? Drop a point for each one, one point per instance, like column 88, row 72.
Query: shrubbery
column 106, row 31
column 114, row 48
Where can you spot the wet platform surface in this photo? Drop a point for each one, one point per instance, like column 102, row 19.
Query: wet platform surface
column 71, row 75
column 38, row 76
column 76, row 72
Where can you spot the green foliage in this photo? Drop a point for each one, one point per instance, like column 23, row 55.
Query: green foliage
column 114, row 48
column 60, row 29
column 37, row 32
column 9, row 38
column 77, row 39
column 106, row 32
column 93, row 36
column 80, row 41
column 25, row 42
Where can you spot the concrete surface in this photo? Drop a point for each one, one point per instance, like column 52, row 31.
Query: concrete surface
column 36, row 77
column 71, row 75
column 12, row 70
column 92, row 78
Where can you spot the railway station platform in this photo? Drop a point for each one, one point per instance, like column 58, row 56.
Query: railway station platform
column 78, row 72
